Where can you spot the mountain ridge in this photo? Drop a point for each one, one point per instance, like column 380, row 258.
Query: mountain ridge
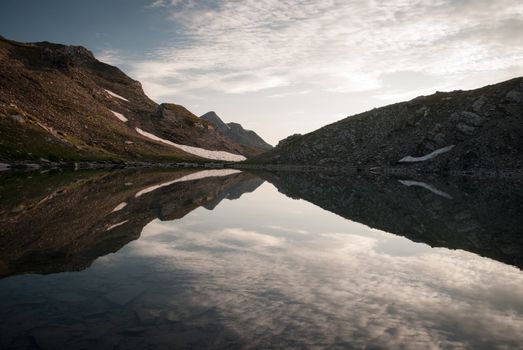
column 58, row 102
column 236, row 132
column 464, row 130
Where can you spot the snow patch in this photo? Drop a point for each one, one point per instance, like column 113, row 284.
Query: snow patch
column 116, row 95
column 426, row 186
column 197, row 151
column 120, row 116
column 191, row 177
column 119, row 207
column 116, row 225
column 410, row 159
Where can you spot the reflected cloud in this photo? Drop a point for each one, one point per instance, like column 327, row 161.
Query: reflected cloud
column 335, row 288
column 241, row 237
column 287, row 229
column 164, row 243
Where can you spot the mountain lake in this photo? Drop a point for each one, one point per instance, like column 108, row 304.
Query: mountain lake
column 229, row 259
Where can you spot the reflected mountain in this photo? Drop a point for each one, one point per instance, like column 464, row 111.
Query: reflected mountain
column 64, row 221
column 483, row 217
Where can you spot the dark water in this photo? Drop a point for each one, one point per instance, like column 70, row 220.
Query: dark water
column 224, row 259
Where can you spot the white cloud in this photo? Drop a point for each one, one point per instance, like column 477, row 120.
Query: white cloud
column 110, row 56
column 163, row 3
column 336, row 45
column 289, row 93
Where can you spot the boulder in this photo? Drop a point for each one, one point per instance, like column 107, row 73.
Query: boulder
column 465, row 129
column 514, row 96
column 478, row 104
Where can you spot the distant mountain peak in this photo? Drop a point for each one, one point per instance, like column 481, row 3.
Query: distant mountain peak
column 214, row 119
column 236, row 133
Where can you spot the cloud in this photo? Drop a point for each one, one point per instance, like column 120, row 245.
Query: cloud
column 157, row 3
column 341, row 46
column 110, row 56
column 289, row 93
column 163, row 3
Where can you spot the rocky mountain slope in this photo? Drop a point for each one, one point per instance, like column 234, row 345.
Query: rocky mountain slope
column 463, row 130
column 456, row 213
column 236, row 133
column 60, row 102
column 63, row 222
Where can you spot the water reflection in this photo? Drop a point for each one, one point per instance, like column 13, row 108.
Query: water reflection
column 62, row 222
column 264, row 271
column 484, row 217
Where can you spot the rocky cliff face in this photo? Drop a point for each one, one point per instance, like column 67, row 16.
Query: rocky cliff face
column 456, row 130
column 456, row 213
column 236, row 133
column 59, row 102
column 63, row 222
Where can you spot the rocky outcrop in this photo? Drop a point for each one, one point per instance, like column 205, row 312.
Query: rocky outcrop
column 236, row 133
column 483, row 126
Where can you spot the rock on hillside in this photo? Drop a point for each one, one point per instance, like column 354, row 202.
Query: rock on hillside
column 60, row 102
column 236, row 133
column 461, row 130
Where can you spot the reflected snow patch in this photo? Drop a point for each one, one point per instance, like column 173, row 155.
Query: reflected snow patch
column 116, row 225
column 191, row 177
column 427, row 186
column 119, row 207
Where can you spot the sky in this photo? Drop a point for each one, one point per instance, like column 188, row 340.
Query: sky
column 281, row 67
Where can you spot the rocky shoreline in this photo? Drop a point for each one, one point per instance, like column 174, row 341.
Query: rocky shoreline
column 347, row 169
column 83, row 165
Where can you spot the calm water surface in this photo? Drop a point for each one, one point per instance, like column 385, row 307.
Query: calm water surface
column 222, row 259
